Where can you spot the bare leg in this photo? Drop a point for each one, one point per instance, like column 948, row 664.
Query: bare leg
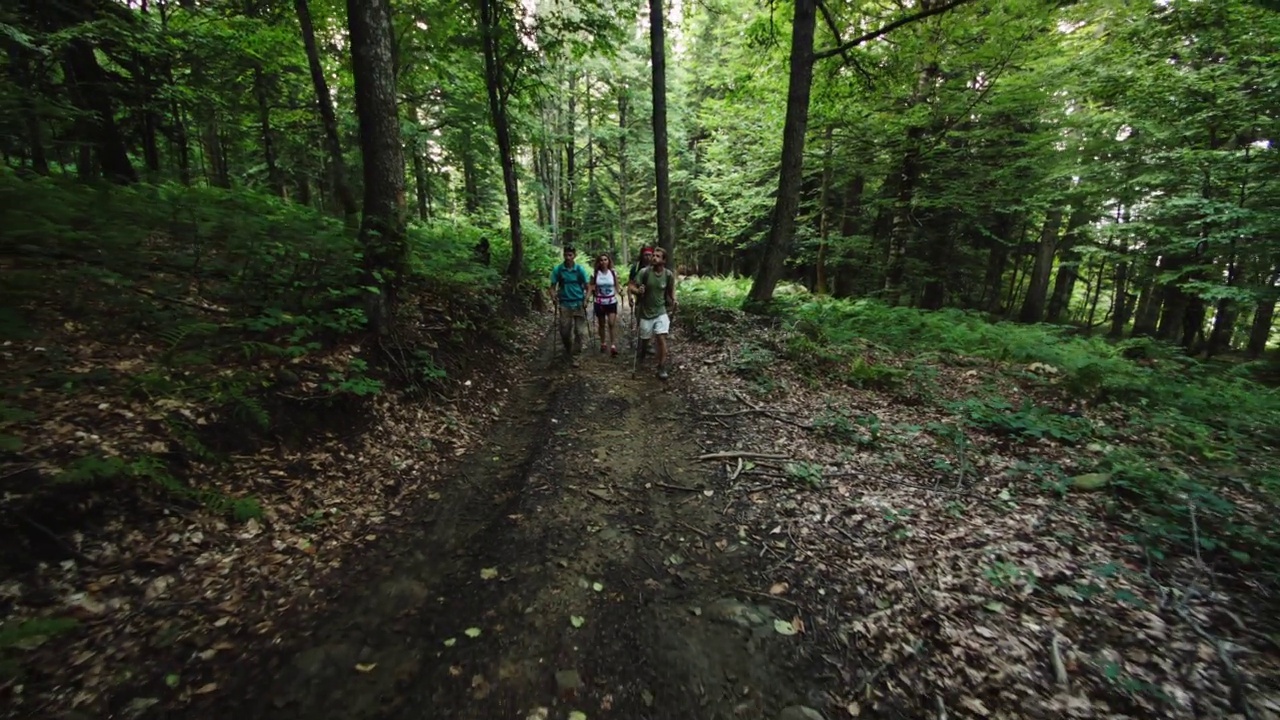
column 661, row 341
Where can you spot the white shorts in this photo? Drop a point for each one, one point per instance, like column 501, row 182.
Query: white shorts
column 657, row 326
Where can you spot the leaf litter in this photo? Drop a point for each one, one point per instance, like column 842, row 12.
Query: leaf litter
column 158, row 584
column 967, row 587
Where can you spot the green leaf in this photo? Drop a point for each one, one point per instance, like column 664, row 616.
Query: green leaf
column 784, row 627
column 488, row 573
column 472, row 632
column 577, row 620
column 171, row 680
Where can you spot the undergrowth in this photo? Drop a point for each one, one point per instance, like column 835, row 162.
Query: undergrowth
column 215, row 320
column 1186, row 446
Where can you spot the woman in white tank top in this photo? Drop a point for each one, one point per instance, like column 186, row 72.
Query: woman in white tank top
column 604, row 288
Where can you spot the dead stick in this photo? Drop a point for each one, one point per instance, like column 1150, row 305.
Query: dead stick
column 698, row 530
column 757, row 593
column 731, row 454
column 1059, row 668
column 670, row 486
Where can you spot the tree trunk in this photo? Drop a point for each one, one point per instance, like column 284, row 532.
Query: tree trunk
column 1038, row 288
column 265, row 134
column 1264, row 315
column 824, row 214
column 1121, row 305
column 90, row 88
column 328, row 119
column 661, row 169
column 1064, row 283
column 493, row 72
column 778, row 245
column 420, row 183
column 622, row 178
column 382, row 231
column 569, row 218
column 1147, row 314
column 470, row 179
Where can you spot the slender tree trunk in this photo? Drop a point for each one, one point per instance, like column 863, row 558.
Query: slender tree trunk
column 661, row 169
column 382, row 231
column 1038, row 288
column 824, row 213
column 570, row 217
column 623, row 187
column 1121, row 305
column 265, row 133
column 494, row 81
column 790, row 178
column 1064, row 283
column 328, row 119
column 1147, row 314
column 1264, row 315
column 420, row 183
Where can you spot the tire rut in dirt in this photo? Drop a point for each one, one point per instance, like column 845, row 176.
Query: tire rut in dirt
column 374, row 659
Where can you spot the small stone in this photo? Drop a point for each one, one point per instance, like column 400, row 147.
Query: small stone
column 800, row 712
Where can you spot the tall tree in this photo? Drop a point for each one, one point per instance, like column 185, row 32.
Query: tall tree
column 382, row 228
column 778, row 246
column 790, row 177
column 329, row 120
column 661, row 167
column 499, row 85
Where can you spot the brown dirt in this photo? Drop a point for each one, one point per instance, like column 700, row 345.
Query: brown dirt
column 590, row 480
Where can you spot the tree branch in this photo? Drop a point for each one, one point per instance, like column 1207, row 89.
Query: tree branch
column 845, row 46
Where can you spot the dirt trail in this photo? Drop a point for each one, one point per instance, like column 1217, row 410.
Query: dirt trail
column 588, row 500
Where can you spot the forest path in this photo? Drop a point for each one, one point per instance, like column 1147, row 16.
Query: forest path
column 584, row 541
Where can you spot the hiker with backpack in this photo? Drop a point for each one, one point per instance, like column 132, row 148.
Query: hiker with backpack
column 569, row 292
column 642, row 261
column 656, row 286
column 604, row 290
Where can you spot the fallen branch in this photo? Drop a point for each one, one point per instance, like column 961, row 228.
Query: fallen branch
column 1059, row 668
column 737, row 471
column 671, row 486
column 757, row 593
column 693, row 528
column 732, row 454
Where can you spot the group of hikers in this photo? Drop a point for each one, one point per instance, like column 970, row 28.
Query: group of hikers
column 651, row 285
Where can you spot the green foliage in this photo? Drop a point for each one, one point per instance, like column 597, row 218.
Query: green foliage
column 1027, row 420
column 16, row 636
column 1186, row 432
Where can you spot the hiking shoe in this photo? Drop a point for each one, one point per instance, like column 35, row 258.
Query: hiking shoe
column 662, row 373
column 602, row 348
column 613, row 351
column 573, row 362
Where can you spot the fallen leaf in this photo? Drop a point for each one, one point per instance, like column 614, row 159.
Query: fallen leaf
column 472, row 632
column 488, row 573
column 784, row 627
column 451, row 642
column 206, row 688
column 365, row 667
column 576, row 620
column 778, row 588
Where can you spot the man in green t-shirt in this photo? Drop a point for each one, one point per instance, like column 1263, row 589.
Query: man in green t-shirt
column 656, row 286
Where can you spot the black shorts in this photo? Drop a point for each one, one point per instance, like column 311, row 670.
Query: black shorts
column 605, row 310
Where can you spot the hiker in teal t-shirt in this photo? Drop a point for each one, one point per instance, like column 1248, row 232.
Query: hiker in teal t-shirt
column 569, row 291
